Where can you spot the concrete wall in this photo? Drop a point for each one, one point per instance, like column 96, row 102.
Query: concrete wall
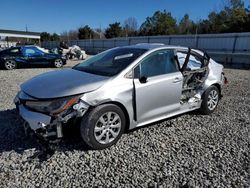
column 232, row 48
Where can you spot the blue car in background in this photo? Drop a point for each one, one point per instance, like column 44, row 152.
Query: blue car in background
column 14, row 57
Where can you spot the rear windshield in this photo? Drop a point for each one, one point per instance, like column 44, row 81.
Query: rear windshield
column 111, row 62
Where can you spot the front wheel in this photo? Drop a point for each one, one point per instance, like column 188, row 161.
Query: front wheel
column 58, row 63
column 103, row 126
column 210, row 100
column 10, row 64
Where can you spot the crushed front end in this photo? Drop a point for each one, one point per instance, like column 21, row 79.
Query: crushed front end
column 46, row 117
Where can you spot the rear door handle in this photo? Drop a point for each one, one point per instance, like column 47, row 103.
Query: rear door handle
column 177, row 79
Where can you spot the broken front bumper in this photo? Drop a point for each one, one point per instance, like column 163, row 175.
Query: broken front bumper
column 35, row 120
column 41, row 124
column 48, row 126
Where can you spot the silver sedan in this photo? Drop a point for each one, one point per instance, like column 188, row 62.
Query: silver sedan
column 121, row 89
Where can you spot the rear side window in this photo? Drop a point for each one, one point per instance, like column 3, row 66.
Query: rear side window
column 32, row 51
column 158, row 63
column 194, row 61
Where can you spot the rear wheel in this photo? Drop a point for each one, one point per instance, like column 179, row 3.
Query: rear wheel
column 210, row 100
column 10, row 64
column 58, row 63
column 103, row 126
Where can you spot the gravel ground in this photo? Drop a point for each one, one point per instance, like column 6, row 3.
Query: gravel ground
column 190, row 150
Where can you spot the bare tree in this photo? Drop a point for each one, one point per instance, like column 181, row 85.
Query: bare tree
column 130, row 26
column 69, row 35
column 99, row 33
column 64, row 36
column 73, row 34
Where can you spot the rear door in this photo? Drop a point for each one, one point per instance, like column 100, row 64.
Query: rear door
column 190, row 60
column 158, row 85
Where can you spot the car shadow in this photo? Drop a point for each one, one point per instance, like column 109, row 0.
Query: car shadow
column 43, row 66
column 13, row 138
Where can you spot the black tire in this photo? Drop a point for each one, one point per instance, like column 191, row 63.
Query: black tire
column 205, row 106
column 10, row 64
column 90, row 120
column 58, row 63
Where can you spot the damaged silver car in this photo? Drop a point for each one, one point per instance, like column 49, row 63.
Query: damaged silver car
column 121, row 89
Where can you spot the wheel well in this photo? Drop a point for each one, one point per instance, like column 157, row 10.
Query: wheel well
column 124, row 111
column 219, row 88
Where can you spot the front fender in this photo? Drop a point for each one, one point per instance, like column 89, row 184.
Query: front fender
column 120, row 92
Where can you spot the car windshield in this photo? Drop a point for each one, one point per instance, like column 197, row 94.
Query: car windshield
column 111, row 62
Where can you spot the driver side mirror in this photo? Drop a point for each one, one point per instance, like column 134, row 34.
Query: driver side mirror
column 137, row 74
column 143, row 79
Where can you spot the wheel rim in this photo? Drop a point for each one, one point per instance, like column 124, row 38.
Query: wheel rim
column 10, row 64
column 107, row 128
column 212, row 100
column 58, row 63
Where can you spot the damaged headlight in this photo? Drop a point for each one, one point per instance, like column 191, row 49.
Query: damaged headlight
column 53, row 107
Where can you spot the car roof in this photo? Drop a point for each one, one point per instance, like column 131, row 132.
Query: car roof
column 150, row 46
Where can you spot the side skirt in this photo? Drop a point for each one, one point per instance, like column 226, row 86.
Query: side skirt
column 183, row 109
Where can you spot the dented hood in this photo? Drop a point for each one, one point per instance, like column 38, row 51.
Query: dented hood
column 62, row 83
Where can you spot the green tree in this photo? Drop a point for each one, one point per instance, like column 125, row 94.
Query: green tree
column 85, row 32
column 54, row 37
column 235, row 4
column 233, row 18
column 45, row 36
column 219, row 22
column 186, row 26
column 114, row 30
column 239, row 21
column 161, row 23
column 48, row 37
column 203, row 27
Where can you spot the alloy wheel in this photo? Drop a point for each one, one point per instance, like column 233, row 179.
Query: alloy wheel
column 58, row 63
column 107, row 127
column 10, row 64
column 212, row 100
